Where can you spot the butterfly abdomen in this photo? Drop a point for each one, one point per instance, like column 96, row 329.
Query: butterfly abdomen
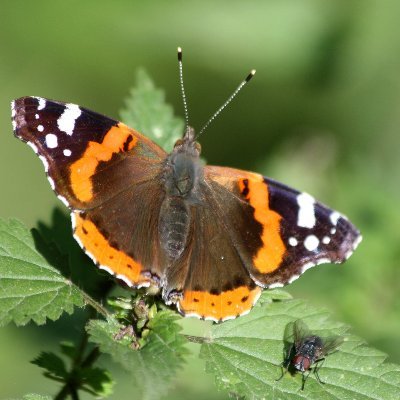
column 174, row 226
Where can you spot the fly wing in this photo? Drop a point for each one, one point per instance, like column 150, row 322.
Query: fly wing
column 330, row 344
column 289, row 347
column 300, row 332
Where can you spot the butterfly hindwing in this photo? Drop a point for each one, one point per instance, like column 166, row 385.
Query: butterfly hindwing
column 212, row 278
column 121, row 234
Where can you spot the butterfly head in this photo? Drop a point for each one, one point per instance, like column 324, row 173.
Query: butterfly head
column 183, row 167
column 188, row 144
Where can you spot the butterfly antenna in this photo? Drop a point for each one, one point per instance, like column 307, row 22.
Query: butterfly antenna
column 185, row 106
column 233, row 95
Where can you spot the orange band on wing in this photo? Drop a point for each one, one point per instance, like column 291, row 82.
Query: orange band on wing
column 118, row 139
column 270, row 255
column 229, row 304
column 97, row 246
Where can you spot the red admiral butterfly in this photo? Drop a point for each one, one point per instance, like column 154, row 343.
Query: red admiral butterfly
column 211, row 238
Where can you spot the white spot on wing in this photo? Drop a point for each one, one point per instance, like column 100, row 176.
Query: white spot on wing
column 66, row 122
column 348, row 254
column 73, row 221
column 42, row 103
column 125, row 279
column 51, row 141
column 293, row 278
column 107, row 269
column 53, row 186
column 355, row 245
column 293, row 241
column 88, row 253
column 67, row 152
column 357, row 242
column 13, row 112
column 143, row 284
column 306, row 215
column 326, row 240
column 33, row 147
column 37, row 116
column 324, row 261
column 45, row 163
column 227, row 318
column 275, row 285
column 333, row 231
column 63, row 199
column 40, row 128
column 311, row 242
column 210, row 319
column 14, row 125
column 334, row 217
column 79, row 242
column 307, row 266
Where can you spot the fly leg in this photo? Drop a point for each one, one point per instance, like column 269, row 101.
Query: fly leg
column 318, row 364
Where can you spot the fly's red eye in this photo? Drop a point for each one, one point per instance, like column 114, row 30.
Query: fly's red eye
column 301, row 363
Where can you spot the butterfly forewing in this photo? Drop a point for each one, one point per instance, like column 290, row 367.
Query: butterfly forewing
column 87, row 156
column 278, row 231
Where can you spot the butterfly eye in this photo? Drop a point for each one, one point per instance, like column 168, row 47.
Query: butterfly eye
column 179, row 142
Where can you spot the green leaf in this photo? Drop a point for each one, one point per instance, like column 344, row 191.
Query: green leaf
column 52, row 364
column 30, row 288
column 97, row 381
column 246, row 354
column 69, row 349
column 146, row 111
column 273, row 295
column 154, row 365
column 56, row 243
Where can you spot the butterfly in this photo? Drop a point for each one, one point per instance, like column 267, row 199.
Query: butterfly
column 210, row 238
column 304, row 349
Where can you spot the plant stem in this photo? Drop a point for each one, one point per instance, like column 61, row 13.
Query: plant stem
column 92, row 302
column 71, row 386
column 63, row 393
column 74, row 393
column 91, row 357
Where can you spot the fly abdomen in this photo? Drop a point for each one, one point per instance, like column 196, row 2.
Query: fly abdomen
column 174, row 226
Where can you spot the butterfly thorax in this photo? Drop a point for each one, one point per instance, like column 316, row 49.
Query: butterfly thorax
column 182, row 176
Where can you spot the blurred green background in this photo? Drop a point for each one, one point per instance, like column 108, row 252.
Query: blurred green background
column 322, row 115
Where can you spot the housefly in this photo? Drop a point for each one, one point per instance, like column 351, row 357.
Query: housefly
column 304, row 351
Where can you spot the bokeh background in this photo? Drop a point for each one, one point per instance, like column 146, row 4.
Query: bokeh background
column 322, row 115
